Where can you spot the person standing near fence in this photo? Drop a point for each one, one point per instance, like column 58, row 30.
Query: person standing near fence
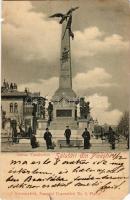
column 15, row 135
column 127, row 138
column 48, row 138
column 34, row 142
column 30, row 132
column 67, row 135
column 86, row 137
column 112, row 138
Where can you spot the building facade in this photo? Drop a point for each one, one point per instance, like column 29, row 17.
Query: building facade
column 23, row 107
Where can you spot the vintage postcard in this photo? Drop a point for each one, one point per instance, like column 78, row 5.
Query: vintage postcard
column 65, row 99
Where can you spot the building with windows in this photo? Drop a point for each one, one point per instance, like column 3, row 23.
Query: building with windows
column 23, row 107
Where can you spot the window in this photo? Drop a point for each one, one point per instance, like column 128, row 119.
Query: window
column 15, row 107
column 11, row 107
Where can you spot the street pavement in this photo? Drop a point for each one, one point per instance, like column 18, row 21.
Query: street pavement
column 96, row 146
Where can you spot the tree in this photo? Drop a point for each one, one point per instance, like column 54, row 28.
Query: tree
column 123, row 126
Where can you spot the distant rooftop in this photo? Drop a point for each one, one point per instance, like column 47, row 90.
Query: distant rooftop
column 13, row 94
column 8, row 87
column 11, row 90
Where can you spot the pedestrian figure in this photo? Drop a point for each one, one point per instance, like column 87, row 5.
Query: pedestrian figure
column 128, row 141
column 86, row 137
column 112, row 138
column 22, row 132
column 30, row 132
column 67, row 135
column 15, row 135
column 48, row 139
column 34, row 142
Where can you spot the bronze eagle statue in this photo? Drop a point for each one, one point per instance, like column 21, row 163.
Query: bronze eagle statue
column 68, row 18
column 64, row 16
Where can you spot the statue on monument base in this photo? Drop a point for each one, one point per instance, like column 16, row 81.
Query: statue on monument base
column 50, row 112
column 84, row 108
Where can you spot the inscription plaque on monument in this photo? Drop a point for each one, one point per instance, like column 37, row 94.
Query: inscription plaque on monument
column 64, row 113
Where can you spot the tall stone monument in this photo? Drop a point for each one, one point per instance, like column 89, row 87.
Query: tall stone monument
column 64, row 99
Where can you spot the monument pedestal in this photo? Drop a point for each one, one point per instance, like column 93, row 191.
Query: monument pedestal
column 64, row 114
column 42, row 124
column 60, row 124
column 83, row 123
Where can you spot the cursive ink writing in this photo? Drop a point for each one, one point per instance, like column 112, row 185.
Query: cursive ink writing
column 95, row 171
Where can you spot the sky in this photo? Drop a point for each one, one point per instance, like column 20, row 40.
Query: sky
column 100, row 51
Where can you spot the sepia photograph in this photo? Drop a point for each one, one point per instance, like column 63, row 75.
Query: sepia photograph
column 65, row 76
column 65, row 100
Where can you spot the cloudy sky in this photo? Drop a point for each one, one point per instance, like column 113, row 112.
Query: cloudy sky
column 100, row 50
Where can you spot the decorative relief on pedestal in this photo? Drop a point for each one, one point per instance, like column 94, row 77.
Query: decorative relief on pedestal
column 65, row 55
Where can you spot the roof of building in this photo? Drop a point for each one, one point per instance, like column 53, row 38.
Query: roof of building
column 19, row 94
column 13, row 93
